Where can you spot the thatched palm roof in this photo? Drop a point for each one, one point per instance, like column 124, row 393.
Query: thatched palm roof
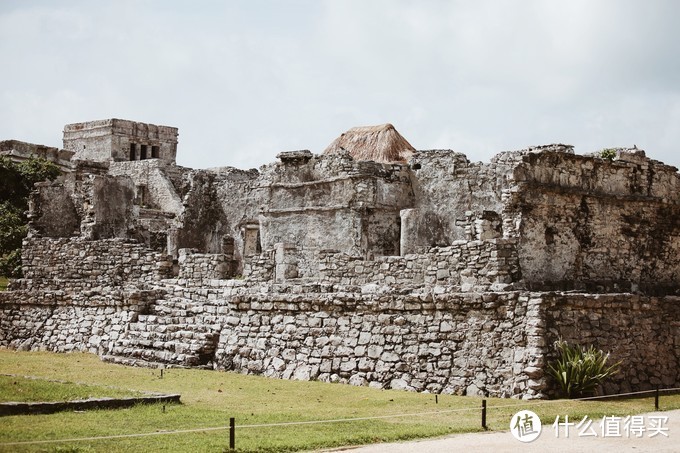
column 378, row 143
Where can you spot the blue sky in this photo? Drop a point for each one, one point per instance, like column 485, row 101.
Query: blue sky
column 244, row 80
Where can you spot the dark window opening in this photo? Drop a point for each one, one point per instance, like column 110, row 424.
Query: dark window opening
column 142, row 152
column 133, row 151
column 550, row 234
column 154, row 152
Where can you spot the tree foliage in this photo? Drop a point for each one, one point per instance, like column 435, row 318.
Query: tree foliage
column 16, row 183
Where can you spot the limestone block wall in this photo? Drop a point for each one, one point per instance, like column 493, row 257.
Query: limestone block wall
column 260, row 268
column 52, row 211
column 68, row 319
column 450, row 192
column 332, row 201
column 102, row 263
column 446, row 342
column 632, row 173
column 19, row 151
column 197, row 267
column 468, row 265
column 642, row 332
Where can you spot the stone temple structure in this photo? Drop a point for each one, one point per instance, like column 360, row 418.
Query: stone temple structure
column 370, row 264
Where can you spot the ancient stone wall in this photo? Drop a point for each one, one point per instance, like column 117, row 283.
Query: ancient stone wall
column 199, row 267
column 467, row 265
column 154, row 187
column 19, row 151
column 261, row 267
column 441, row 342
column 451, row 193
column 331, row 201
column 591, row 224
column 68, row 319
column 53, row 212
column 92, row 263
column 386, row 330
column 642, row 332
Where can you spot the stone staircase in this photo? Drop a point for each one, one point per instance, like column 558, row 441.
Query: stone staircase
column 175, row 332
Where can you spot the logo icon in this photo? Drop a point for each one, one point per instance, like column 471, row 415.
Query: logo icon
column 525, row 426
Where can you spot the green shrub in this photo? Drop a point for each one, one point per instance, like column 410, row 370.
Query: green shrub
column 579, row 370
column 608, row 153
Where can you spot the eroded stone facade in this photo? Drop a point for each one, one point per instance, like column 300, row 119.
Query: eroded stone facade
column 437, row 275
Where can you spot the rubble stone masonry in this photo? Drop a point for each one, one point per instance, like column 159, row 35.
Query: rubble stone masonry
column 437, row 274
column 119, row 300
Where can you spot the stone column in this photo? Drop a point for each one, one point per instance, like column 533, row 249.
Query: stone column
column 286, row 262
column 409, row 231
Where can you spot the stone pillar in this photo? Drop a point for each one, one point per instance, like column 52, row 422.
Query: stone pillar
column 286, row 262
column 409, row 231
column 172, row 242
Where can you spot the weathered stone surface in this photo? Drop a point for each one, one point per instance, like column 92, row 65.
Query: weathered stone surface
column 427, row 276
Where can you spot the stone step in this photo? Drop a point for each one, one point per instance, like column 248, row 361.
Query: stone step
column 163, row 328
column 180, row 304
column 142, row 348
column 168, row 353
column 178, row 319
column 136, row 361
column 180, row 337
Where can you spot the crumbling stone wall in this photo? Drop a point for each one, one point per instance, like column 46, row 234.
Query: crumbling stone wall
column 68, row 320
column 640, row 331
column 19, row 151
column 53, row 212
column 419, row 337
column 591, row 224
column 153, row 182
column 198, row 267
column 451, row 193
column 421, row 277
column 331, row 201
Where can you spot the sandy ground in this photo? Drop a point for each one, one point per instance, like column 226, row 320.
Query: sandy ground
column 504, row 441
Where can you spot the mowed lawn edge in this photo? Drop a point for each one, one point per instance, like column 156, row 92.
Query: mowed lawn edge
column 210, row 398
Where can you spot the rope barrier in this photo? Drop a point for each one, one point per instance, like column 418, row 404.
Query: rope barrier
column 588, row 398
column 317, row 422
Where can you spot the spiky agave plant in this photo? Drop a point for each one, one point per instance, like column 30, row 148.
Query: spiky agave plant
column 580, row 370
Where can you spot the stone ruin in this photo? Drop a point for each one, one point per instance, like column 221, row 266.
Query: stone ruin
column 429, row 274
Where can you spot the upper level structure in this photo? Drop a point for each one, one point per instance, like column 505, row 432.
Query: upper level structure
column 19, row 151
column 120, row 140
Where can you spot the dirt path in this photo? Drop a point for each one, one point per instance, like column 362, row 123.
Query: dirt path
column 498, row 442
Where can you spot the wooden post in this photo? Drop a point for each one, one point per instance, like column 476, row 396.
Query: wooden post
column 656, row 399
column 232, row 433
column 484, row 414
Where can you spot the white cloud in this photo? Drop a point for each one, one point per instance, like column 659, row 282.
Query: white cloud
column 245, row 80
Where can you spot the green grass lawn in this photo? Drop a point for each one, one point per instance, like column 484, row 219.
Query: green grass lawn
column 210, row 398
column 20, row 389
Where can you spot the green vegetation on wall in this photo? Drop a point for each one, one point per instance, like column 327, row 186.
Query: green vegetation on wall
column 579, row 371
column 16, row 183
